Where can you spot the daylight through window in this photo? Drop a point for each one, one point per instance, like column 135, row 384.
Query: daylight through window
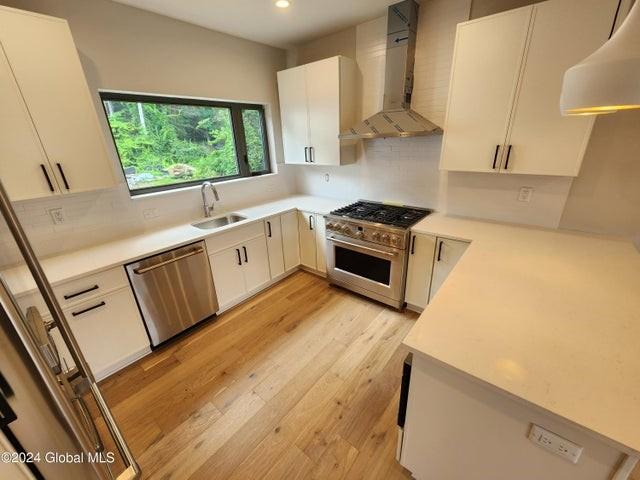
column 166, row 143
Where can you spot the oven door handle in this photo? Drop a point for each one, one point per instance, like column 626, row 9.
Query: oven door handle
column 369, row 249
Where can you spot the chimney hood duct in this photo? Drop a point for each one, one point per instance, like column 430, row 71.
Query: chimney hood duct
column 396, row 118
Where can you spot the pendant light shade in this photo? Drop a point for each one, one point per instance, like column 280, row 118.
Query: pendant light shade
column 609, row 79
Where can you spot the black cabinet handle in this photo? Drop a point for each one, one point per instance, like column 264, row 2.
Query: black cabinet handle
column 269, row 229
column 440, row 250
column 413, row 245
column 506, row 163
column 306, row 158
column 239, row 258
column 82, row 292
column 495, row 157
column 64, row 178
column 311, row 155
column 80, row 312
column 246, row 258
column 46, row 176
column 310, row 225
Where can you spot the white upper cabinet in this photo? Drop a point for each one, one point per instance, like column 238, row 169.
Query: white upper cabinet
column 564, row 32
column 294, row 114
column 24, row 168
column 487, row 59
column 44, row 63
column 503, row 111
column 317, row 102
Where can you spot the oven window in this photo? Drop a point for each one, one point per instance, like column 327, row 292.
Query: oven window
column 363, row 265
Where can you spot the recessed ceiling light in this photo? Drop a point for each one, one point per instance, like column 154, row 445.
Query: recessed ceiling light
column 282, row 3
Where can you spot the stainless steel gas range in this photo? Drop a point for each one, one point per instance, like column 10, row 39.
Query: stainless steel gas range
column 367, row 248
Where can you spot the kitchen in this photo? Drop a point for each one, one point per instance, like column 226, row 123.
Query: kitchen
column 510, row 278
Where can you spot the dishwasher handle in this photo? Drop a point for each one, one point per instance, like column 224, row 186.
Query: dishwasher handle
column 140, row 271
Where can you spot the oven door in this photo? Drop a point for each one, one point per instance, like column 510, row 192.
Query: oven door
column 366, row 268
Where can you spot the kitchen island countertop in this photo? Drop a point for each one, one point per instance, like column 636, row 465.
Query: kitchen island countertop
column 551, row 317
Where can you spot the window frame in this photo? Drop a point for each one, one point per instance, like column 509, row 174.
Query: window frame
column 237, row 125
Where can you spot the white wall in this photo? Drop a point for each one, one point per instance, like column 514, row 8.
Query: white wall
column 406, row 170
column 123, row 48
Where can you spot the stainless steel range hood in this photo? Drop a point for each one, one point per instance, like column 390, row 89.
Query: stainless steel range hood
column 397, row 119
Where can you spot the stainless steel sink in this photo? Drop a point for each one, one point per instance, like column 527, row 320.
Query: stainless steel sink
column 219, row 221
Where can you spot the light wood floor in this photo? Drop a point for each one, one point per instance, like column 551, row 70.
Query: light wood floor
column 302, row 381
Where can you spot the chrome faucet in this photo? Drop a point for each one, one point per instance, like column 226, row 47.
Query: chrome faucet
column 208, row 208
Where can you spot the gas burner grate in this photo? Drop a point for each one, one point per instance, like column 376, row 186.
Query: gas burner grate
column 393, row 215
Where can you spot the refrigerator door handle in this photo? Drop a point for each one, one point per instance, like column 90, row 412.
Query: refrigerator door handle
column 58, row 317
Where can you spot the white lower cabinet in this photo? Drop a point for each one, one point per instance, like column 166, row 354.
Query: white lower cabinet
column 256, row 264
column 228, row 276
column 240, row 270
column 109, row 330
column 447, row 254
column 273, row 230
column 312, row 240
column 431, row 259
column 420, row 269
column 106, row 324
column 290, row 240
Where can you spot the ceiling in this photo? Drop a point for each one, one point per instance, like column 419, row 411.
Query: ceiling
column 262, row 21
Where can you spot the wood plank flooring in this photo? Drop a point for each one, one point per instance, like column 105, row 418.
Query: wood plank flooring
column 302, row 381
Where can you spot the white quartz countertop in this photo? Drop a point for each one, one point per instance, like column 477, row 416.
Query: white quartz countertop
column 552, row 317
column 101, row 257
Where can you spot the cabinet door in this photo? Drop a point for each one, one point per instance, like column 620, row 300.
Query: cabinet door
column 46, row 66
column 108, row 330
column 273, row 231
column 447, row 254
column 420, row 269
column 486, row 64
column 228, row 276
column 255, row 264
column 292, row 90
column 323, row 98
column 22, row 159
column 320, row 229
column 290, row 240
column 563, row 33
column 307, row 236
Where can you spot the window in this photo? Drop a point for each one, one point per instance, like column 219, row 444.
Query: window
column 166, row 143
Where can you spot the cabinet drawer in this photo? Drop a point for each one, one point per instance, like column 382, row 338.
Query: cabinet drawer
column 70, row 293
column 233, row 237
column 79, row 290
column 108, row 329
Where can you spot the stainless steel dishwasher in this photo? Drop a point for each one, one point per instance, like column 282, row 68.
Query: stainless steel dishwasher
column 174, row 290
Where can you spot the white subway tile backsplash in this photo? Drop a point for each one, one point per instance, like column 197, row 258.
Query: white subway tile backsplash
column 98, row 217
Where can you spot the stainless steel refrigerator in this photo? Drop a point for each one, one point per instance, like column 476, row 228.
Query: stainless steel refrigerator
column 54, row 422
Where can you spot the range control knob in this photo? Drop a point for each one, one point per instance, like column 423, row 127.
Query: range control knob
column 346, row 229
column 395, row 240
column 376, row 236
column 330, row 226
column 385, row 238
column 359, row 234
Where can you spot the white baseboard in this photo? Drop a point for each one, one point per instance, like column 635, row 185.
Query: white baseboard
column 414, row 308
column 258, row 290
column 120, row 364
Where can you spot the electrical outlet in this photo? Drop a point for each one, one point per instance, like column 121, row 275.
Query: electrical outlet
column 555, row 443
column 326, row 177
column 57, row 215
column 525, row 194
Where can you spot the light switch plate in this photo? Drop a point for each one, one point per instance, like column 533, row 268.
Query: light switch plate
column 525, row 194
column 555, row 443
